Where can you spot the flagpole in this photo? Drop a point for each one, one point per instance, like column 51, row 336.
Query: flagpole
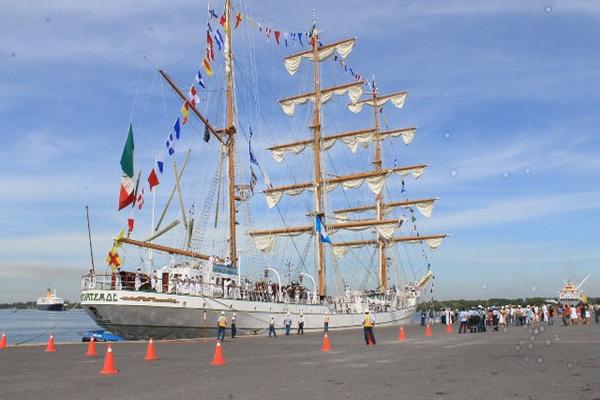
column 87, row 214
column 152, row 226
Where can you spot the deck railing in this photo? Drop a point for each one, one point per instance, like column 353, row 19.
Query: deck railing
column 127, row 282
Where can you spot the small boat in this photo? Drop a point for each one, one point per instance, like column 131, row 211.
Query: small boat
column 101, row 335
column 50, row 302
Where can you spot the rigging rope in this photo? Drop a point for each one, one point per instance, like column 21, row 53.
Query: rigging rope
column 49, row 329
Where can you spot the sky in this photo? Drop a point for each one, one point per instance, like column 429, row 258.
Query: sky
column 504, row 95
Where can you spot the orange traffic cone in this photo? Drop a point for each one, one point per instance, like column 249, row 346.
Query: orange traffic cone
column 218, row 358
column 401, row 335
column 448, row 328
column 3, row 342
column 91, row 351
column 109, row 363
column 428, row 330
column 50, row 347
column 326, row 347
column 150, row 354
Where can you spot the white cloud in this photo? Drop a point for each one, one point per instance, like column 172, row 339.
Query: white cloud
column 519, row 210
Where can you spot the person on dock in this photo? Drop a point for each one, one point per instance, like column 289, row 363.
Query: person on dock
column 326, row 323
column 574, row 317
column 447, row 316
column 233, row 325
column 566, row 314
column 272, row 327
column 287, row 322
column 368, row 324
column 481, row 321
column 463, row 315
column 221, row 325
column 300, row 325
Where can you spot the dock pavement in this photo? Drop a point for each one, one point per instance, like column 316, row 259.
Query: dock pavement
column 546, row 362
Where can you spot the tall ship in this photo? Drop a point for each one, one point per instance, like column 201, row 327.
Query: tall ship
column 330, row 257
column 50, row 302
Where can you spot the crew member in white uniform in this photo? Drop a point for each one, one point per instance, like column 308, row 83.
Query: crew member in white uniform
column 153, row 280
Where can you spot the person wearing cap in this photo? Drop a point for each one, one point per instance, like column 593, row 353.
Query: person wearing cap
column 272, row 327
column 221, row 325
column 233, row 326
column 368, row 324
column 287, row 322
column 300, row 325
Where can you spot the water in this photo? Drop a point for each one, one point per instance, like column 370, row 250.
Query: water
column 26, row 324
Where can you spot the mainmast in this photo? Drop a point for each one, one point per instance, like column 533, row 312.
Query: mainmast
column 378, row 196
column 230, row 130
column 320, row 265
column 266, row 239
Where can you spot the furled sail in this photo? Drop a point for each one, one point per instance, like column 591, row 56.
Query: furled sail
column 375, row 181
column 274, row 194
column 424, row 279
column 397, row 100
column 266, row 240
column 341, row 251
column 342, row 48
column 354, row 91
column 433, row 243
column 425, row 207
column 352, row 139
column 407, row 134
column 341, row 248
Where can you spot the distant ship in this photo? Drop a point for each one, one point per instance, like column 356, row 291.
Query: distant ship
column 50, row 302
column 571, row 294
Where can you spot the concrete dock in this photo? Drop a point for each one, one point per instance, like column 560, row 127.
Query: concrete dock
column 552, row 362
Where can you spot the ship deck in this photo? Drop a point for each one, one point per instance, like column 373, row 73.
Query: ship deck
column 445, row 366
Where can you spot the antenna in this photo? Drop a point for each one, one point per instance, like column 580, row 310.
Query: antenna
column 583, row 281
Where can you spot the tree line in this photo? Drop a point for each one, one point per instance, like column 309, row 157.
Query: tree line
column 438, row 305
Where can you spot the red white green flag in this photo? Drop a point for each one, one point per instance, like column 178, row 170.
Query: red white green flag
column 127, row 190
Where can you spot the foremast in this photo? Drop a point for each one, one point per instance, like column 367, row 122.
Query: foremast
column 320, row 265
column 231, row 136
column 226, row 137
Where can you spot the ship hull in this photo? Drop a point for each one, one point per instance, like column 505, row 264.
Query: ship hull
column 139, row 315
column 50, row 307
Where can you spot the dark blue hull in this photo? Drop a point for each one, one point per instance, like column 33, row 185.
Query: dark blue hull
column 50, row 307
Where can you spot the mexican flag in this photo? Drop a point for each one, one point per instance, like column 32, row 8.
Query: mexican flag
column 127, row 190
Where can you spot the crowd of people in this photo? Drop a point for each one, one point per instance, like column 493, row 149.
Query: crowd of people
column 479, row 319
